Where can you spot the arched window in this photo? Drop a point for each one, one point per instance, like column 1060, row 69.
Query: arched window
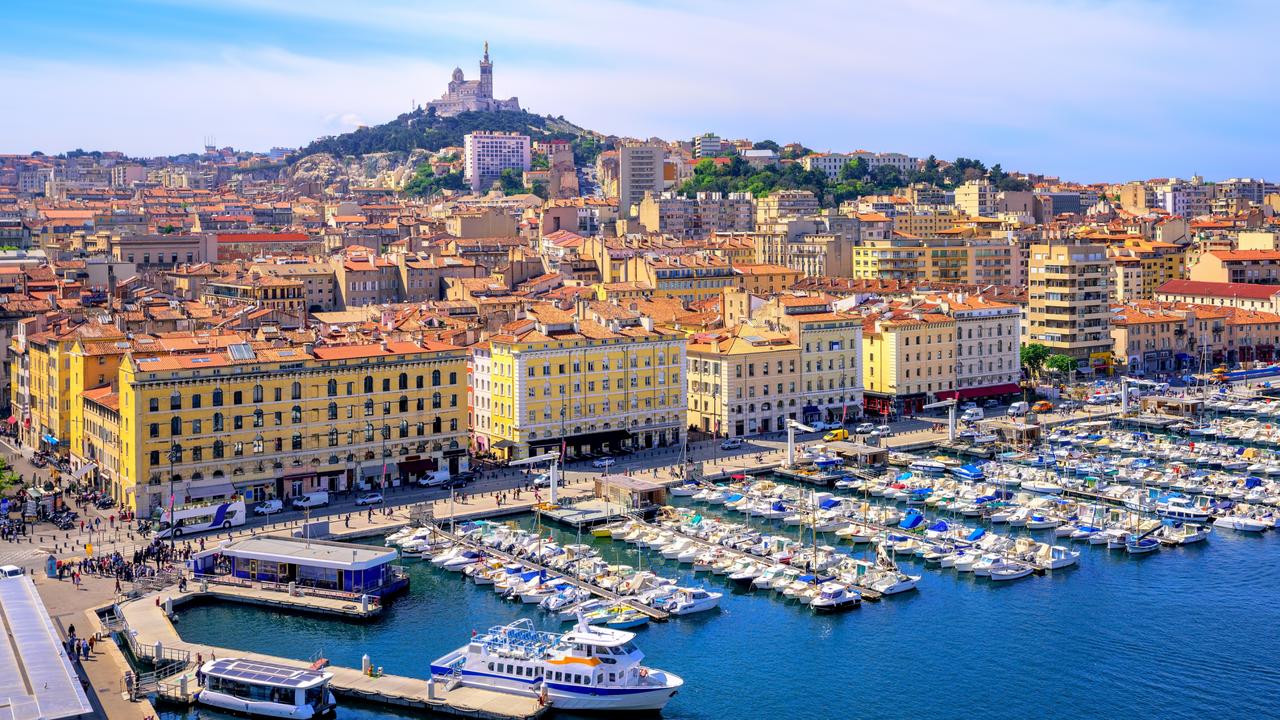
column 217, row 449
column 368, row 432
column 296, row 392
column 332, row 388
column 421, row 429
column 257, row 393
column 217, row 422
column 403, row 383
column 197, row 476
column 435, row 400
column 296, row 442
column 217, row 397
column 175, row 426
column 333, row 437
column 403, row 404
column 404, row 428
column 435, row 378
column 368, row 383
column 295, row 415
column 368, row 406
column 333, row 411
column 257, row 444
column 257, row 417
column 435, row 425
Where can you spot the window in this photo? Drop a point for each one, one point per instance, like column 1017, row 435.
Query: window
column 368, row 383
column 217, row 422
column 237, row 398
column 296, row 391
column 296, row 442
column 453, row 378
column 403, row 382
column 175, row 401
column 217, row 397
column 197, row 454
column 277, row 395
column 333, row 437
column 257, row 418
column 257, row 394
column 419, row 382
column 155, row 457
column 368, row 407
column 435, row 401
column 154, row 405
column 218, row 450
column 332, row 388
column 435, row 378
column 295, row 415
column 237, row 422
column 175, row 426
column 195, row 401
column 195, row 427
column 368, row 432
column 333, row 411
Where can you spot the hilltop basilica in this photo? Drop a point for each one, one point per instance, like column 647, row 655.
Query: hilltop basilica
column 477, row 95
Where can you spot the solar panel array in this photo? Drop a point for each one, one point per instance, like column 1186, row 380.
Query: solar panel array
column 264, row 673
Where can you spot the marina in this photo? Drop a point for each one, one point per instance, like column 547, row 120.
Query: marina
column 1080, row 527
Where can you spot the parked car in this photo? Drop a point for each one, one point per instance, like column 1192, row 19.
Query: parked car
column 544, row 480
column 731, row 444
column 603, row 462
column 1019, row 409
column 268, row 507
column 369, row 498
column 990, row 403
column 968, row 405
column 1068, row 406
column 8, row 571
column 864, row 428
column 973, row 414
column 1041, row 406
column 884, row 430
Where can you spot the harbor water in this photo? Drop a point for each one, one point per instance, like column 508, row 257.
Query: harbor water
column 1181, row 633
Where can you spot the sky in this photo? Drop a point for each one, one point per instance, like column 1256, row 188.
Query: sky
column 1088, row 90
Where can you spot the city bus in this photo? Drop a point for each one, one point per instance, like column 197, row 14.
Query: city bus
column 201, row 517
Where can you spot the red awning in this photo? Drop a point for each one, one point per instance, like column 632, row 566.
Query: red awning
column 970, row 393
column 13, row 419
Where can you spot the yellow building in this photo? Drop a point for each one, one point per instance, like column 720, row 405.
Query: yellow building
column 268, row 421
column 253, row 288
column 766, row 279
column 691, row 278
column 1156, row 264
column 907, row 359
column 601, row 379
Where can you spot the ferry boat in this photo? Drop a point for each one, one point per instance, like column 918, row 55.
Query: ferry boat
column 265, row 689
column 587, row 668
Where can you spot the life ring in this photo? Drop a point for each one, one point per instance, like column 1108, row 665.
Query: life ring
column 644, row 672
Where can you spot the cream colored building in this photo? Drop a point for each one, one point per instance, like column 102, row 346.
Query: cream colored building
column 743, row 381
column 831, row 343
column 908, row 358
column 987, row 345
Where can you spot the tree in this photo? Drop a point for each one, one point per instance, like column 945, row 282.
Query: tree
column 1033, row 356
column 767, row 145
column 1060, row 363
column 512, row 182
column 855, row 169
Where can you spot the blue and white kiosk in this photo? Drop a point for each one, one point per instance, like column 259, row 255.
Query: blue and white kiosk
column 327, row 565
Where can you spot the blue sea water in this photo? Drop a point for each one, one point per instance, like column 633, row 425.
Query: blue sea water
column 1183, row 633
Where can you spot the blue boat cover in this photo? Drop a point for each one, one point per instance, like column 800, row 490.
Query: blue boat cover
column 904, row 476
column 913, row 519
column 977, row 533
column 1252, row 482
column 922, row 491
column 828, row 503
column 778, row 506
column 940, row 526
column 734, row 497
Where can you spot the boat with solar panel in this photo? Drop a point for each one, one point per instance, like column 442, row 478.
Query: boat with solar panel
column 264, row 689
column 588, row 668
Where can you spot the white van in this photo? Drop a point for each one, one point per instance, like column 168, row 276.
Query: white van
column 1019, row 409
column 310, row 500
column 973, row 414
column 8, row 571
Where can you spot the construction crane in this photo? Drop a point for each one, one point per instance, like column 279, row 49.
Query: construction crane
column 792, row 427
column 950, row 405
column 552, row 457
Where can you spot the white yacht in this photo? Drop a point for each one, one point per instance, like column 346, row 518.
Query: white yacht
column 265, row 689
column 587, row 668
column 1183, row 509
column 1242, row 523
column 834, row 596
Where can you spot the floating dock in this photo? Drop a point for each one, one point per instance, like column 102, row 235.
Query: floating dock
column 149, row 626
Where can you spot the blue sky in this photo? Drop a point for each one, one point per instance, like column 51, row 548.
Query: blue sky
column 1086, row 89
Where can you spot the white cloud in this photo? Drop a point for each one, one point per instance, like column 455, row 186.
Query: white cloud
column 1083, row 88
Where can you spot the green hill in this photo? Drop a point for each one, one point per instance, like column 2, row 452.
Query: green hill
column 428, row 131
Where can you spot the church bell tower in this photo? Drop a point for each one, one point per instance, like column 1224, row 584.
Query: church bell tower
column 486, row 75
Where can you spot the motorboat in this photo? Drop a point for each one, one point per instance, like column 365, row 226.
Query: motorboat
column 1056, row 557
column 1010, row 571
column 1140, row 545
column 263, row 689
column 686, row 601
column 1183, row 533
column 833, row 597
column 1241, row 523
column 1182, row 509
column 588, row 668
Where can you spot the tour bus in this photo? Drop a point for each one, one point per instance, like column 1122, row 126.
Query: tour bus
column 201, row 517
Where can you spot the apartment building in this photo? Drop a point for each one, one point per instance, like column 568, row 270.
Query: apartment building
column 987, row 345
column 743, row 381
column 280, row 421
column 1068, row 290
column 1237, row 266
column 640, row 170
column 976, row 197
column 908, row 360
column 486, row 154
column 831, row 346
column 602, row 378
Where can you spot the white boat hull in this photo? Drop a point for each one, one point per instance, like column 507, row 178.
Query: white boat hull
column 258, row 709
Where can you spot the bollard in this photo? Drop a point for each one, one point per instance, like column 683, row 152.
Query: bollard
column 182, row 686
column 293, row 589
column 159, row 650
column 204, row 586
column 365, row 665
column 364, row 604
column 431, row 688
column 168, row 606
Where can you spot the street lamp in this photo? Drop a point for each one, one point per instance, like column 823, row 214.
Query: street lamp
column 175, row 454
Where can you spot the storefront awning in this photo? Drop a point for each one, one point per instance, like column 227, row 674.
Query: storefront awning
column 83, row 470
column 49, row 439
column 582, row 439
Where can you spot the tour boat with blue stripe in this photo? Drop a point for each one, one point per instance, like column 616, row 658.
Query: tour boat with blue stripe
column 588, row 668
